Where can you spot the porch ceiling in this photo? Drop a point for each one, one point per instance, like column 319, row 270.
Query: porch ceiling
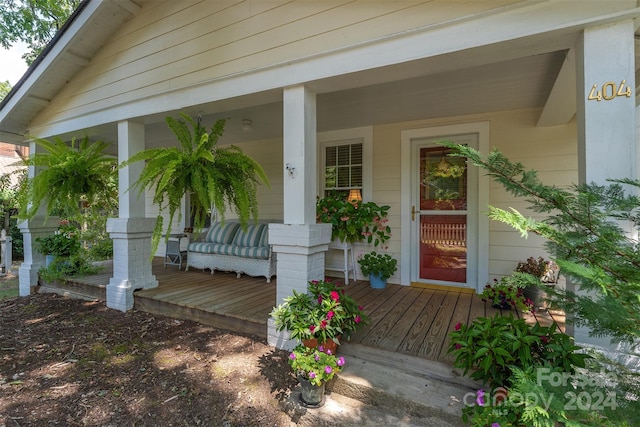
column 514, row 84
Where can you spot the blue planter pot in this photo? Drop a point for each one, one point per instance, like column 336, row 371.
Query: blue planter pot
column 48, row 260
column 376, row 282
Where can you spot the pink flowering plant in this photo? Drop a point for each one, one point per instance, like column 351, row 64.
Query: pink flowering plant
column 325, row 312
column 489, row 410
column 354, row 221
column 315, row 364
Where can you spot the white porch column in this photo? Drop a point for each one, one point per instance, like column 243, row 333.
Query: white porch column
column 607, row 146
column 131, row 231
column 299, row 243
column 39, row 226
column 606, row 125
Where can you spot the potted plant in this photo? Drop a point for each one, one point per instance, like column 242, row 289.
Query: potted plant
column 507, row 293
column 379, row 267
column 71, row 176
column 353, row 221
column 324, row 314
column 211, row 175
column 314, row 367
column 545, row 276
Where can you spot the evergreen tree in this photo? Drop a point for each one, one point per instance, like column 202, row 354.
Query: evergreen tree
column 584, row 229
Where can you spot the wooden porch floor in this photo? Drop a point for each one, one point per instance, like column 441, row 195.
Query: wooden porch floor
column 407, row 320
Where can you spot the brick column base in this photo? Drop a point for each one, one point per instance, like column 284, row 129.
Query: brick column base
column 300, row 250
column 33, row 260
column 131, row 260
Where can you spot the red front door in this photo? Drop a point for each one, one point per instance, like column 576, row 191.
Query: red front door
column 442, row 216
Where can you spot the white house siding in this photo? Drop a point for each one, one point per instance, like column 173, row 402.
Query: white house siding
column 551, row 151
column 174, row 44
column 269, row 155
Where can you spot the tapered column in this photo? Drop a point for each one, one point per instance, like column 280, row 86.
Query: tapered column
column 607, row 145
column 131, row 231
column 299, row 243
column 38, row 226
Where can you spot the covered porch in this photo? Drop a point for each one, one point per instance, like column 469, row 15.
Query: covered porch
column 406, row 320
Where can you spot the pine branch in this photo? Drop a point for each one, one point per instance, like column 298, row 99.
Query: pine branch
column 583, row 231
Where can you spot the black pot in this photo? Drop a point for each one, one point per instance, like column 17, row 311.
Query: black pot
column 538, row 294
column 311, row 395
column 504, row 305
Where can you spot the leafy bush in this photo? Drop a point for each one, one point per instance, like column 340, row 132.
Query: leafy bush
column 64, row 243
column 17, row 242
column 101, row 250
column 62, row 268
column 491, row 347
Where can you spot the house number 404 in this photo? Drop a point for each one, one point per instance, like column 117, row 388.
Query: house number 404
column 609, row 91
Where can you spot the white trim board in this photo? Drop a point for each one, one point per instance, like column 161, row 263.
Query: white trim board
column 482, row 262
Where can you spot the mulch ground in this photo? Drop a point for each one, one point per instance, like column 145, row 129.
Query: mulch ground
column 77, row 363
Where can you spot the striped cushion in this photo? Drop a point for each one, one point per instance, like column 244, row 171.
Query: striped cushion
column 250, row 237
column 264, row 239
column 219, row 233
column 251, row 252
column 211, row 248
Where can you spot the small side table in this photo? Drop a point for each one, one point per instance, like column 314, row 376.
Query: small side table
column 348, row 260
column 174, row 255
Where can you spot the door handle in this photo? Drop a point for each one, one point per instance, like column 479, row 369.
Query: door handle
column 413, row 213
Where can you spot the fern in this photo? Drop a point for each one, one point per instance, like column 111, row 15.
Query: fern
column 213, row 176
column 67, row 175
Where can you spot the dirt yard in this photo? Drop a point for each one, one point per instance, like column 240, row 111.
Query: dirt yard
column 76, row 363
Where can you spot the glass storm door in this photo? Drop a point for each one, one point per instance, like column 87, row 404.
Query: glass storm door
column 440, row 215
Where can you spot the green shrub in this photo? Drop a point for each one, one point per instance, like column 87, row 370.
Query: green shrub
column 491, row 347
column 62, row 268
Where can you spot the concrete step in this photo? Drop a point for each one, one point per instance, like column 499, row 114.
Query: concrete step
column 379, row 387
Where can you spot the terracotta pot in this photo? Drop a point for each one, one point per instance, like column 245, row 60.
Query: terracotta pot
column 327, row 345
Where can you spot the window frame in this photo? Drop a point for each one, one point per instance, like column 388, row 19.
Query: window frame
column 363, row 135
